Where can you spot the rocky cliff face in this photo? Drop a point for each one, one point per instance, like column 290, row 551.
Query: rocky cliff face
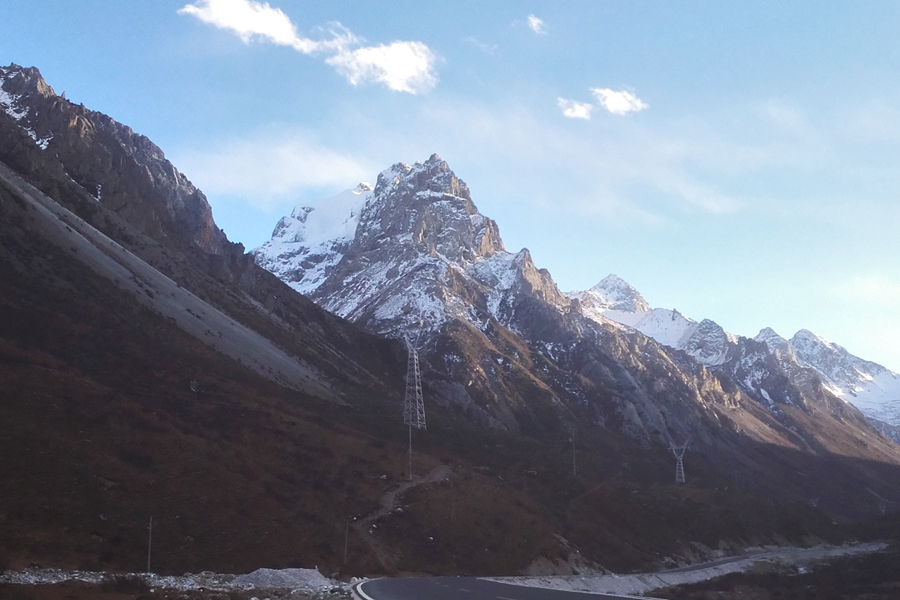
column 122, row 170
column 122, row 186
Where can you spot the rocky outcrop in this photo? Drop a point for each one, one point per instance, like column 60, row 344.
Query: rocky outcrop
column 122, row 170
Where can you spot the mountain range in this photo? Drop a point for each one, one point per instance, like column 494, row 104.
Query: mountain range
column 251, row 402
column 414, row 253
column 872, row 388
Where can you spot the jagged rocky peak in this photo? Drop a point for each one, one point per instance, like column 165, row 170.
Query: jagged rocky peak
column 21, row 81
column 833, row 360
column 433, row 175
column 771, row 339
column 809, row 345
column 614, row 293
column 709, row 343
column 121, row 169
column 777, row 345
column 426, row 204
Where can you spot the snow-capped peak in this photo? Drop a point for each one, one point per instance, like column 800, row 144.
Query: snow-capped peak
column 617, row 294
column 413, row 252
column 870, row 387
column 771, row 339
column 306, row 245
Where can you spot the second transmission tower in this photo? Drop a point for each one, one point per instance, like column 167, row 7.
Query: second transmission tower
column 679, row 464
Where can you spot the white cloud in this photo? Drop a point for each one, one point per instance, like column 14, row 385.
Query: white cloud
column 251, row 20
column 618, row 103
column 264, row 170
column 693, row 192
column 574, row 109
column 536, row 25
column 400, row 66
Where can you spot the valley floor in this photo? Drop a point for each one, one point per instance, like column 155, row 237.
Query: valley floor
column 302, row 584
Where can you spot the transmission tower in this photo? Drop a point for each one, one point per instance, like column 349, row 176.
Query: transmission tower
column 678, row 451
column 882, row 502
column 414, row 405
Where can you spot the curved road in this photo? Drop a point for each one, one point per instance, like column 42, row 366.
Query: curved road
column 461, row 588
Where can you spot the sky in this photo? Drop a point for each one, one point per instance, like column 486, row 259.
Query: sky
column 737, row 161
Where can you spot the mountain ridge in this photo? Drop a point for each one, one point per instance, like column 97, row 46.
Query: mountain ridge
column 870, row 387
column 494, row 320
column 611, row 301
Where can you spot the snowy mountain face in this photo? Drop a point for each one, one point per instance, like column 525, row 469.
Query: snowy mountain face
column 410, row 254
column 502, row 343
column 612, row 293
column 870, row 387
column 306, row 245
column 806, row 361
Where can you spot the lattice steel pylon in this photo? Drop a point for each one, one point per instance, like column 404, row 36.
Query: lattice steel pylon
column 413, row 405
column 678, row 451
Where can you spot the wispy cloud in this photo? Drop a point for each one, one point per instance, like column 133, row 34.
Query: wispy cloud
column 264, row 170
column 537, row 25
column 618, row 102
column 871, row 290
column 631, row 174
column 400, row 66
column 479, row 45
column 574, row 109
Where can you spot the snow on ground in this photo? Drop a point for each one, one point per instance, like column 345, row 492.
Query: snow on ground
column 306, row 580
column 643, row 583
column 8, row 104
column 879, row 399
column 668, row 327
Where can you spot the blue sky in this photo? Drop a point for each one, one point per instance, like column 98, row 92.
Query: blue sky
column 734, row 160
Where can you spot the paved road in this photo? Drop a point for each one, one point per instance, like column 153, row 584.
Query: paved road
column 461, row 588
column 716, row 563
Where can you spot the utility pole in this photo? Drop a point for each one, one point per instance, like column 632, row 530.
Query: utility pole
column 452, row 502
column 149, row 542
column 346, row 539
column 574, row 466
